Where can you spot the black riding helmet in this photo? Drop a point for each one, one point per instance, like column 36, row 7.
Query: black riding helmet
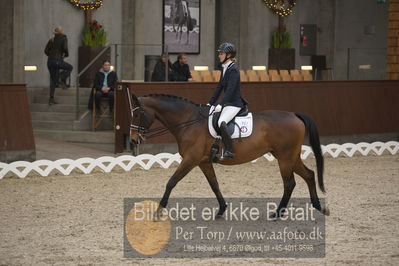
column 227, row 48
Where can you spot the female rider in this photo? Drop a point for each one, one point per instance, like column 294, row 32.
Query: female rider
column 232, row 102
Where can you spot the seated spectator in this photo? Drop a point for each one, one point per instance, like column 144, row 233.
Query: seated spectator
column 181, row 70
column 104, row 83
column 160, row 69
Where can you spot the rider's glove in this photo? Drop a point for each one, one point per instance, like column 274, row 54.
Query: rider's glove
column 218, row 108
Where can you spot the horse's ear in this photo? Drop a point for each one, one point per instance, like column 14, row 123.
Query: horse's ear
column 135, row 100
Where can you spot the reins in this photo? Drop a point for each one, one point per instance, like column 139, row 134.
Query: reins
column 158, row 131
column 164, row 130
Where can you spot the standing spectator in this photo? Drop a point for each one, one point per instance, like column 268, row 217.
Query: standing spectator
column 181, row 70
column 105, row 84
column 56, row 50
column 160, row 69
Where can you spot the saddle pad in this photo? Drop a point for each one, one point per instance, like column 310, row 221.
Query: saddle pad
column 243, row 124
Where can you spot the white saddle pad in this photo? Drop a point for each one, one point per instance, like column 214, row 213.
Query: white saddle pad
column 243, row 124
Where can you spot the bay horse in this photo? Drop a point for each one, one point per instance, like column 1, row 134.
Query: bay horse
column 278, row 132
column 181, row 17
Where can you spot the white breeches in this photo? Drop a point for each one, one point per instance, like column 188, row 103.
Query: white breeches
column 228, row 113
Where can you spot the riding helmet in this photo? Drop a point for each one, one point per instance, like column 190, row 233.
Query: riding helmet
column 228, row 48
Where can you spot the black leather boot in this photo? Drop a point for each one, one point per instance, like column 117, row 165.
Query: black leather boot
column 228, row 153
column 51, row 101
column 63, row 84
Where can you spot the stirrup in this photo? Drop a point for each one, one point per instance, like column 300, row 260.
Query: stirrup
column 228, row 154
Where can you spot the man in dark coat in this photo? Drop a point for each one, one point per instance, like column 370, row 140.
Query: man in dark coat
column 56, row 50
column 181, row 70
column 105, row 84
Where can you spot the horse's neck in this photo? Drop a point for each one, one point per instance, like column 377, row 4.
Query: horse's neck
column 169, row 118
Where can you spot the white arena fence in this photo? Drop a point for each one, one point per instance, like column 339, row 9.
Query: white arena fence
column 106, row 164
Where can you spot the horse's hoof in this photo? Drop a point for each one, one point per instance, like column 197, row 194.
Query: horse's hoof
column 219, row 217
column 158, row 215
column 274, row 216
column 326, row 211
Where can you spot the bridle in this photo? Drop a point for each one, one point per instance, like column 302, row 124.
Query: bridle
column 138, row 128
column 158, row 131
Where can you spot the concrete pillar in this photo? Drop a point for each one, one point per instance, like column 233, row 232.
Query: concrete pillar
column 19, row 42
column 228, row 24
column 7, row 42
column 326, row 36
column 12, row 41
column 128, row 33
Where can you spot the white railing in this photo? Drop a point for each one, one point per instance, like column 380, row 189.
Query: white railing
column 106, row 164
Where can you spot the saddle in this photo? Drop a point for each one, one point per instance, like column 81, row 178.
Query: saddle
column 240, row 126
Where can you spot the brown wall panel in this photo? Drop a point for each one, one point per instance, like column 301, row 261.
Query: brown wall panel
column 338, row 107
column 15, row 119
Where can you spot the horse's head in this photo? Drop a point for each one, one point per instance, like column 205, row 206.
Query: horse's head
column 141, row 119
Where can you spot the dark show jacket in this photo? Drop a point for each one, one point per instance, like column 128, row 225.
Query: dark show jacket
column 112, row 79
column 159, row 71
column 230, row 84
column 57, row 47
column 181, row 72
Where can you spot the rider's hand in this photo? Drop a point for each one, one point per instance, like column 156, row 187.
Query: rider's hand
column 218, row 108
column 208, row 104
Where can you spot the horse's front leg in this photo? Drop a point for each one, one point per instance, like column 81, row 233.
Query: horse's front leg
column 188, row 37
column 184, row 168
column 180, row 33
column 209, row 172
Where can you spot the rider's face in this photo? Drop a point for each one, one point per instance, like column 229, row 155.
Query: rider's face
column 222, row 56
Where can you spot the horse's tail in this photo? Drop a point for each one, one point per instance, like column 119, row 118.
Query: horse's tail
column 316, row 147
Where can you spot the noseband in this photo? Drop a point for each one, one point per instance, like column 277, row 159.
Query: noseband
column 140, row 130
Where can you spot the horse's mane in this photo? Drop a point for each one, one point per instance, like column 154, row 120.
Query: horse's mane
column 171, row 97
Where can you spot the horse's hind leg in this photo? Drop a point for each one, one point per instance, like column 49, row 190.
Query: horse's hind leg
column 209, row 172
column 286, row 170
column 188, row 34
column 308, row 175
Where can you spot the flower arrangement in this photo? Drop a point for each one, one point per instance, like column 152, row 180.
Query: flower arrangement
column 94, row 34
column 281, row 39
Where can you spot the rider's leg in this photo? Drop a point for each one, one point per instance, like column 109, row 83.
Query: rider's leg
column 228, row 113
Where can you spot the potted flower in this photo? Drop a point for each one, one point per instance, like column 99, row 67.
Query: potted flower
column 94, row 39
column 281, row 55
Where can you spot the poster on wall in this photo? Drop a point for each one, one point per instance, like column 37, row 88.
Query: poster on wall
column 181, row 26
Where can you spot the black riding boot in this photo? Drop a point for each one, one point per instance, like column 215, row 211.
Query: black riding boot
column 228, row 153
